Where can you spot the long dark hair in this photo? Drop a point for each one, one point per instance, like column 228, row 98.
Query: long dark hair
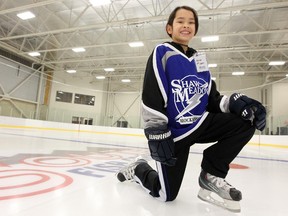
column 173, row 14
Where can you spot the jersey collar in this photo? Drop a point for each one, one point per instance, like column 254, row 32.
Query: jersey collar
column 190, row 52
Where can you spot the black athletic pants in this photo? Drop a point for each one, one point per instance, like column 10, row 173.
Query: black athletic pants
column 230, row 132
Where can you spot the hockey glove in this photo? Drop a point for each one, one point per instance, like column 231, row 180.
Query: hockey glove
column 161, row 145
column 248, row 109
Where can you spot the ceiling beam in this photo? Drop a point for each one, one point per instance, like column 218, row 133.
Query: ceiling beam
column 145, row 19
column 29, row 6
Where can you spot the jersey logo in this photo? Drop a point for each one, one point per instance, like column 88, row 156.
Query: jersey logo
column 187, row 94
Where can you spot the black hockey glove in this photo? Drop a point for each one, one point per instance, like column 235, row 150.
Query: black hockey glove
column 248, row 109
column 161, row 145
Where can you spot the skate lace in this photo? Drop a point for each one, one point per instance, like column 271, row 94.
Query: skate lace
column 128, row 172
column 220, row 182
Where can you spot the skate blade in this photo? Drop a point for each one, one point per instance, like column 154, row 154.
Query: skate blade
column 231, row 205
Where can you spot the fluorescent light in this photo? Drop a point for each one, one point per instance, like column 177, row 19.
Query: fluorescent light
column 109, row 69
column 238, row 73
column 277, row 63
column 99, row 2
column 213, row 78
column 71, row 71
column 34, row 54
column 125, row 80
column 26, row 15
column 287, row 75
column 210, row 38
column 79, row 49
column 212, row 65
column 136, row 44
column 100, row 77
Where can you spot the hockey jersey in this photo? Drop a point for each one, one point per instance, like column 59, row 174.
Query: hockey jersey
column 178, row 90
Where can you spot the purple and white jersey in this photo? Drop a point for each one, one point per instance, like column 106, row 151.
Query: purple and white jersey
column 185, row 84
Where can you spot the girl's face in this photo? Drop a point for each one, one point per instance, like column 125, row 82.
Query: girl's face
column 183, row 27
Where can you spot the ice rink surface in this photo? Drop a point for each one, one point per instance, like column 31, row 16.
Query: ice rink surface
column 51, row 172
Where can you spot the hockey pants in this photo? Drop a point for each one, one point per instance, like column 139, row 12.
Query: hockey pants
column 231, row 134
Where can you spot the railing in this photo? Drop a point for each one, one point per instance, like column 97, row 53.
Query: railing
column 78, row 117
column 276, row 125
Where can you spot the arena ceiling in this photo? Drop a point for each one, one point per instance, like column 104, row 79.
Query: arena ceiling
column 251, row 34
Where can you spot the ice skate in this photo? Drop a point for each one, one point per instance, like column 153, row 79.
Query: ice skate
column 127, row 173
column 217, row 191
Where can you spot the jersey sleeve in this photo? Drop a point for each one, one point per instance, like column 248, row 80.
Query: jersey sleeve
column 153, row 103
column 217, row 103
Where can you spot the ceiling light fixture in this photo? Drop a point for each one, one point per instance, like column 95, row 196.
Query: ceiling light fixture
column 272, row 63
column 71, row 71
column 212, row 65
column 99, row 2
column 34, row 54
column 210, row 38
column 79, row 49
column 125, row 80
column 26, row 15
column 109, row 69
column 213, row 78
column 238, row 73
column 100, row 77
column 136, row 44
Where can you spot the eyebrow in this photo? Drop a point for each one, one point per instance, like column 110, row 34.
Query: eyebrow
column 184, row 18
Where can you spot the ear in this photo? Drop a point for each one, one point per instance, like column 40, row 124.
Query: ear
column 169, row 29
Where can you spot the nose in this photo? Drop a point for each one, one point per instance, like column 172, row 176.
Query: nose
column 186, row 25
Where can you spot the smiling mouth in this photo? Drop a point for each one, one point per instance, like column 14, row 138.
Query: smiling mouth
column 185, row 33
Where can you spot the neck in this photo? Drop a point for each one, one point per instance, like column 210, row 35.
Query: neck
column 183, row 45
